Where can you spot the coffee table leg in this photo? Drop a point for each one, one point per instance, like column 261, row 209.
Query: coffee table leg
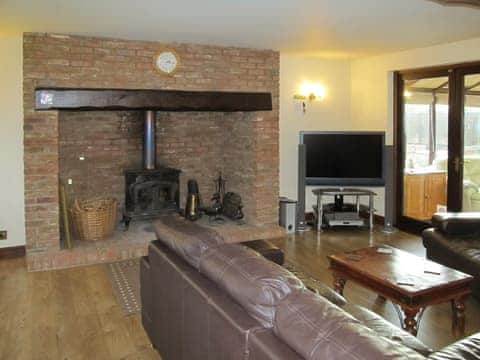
column 338, row 284
column 458, row 315
column 410, row 321
column 409, row 318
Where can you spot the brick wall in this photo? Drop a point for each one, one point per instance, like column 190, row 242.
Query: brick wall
column 108, row 141
column 193, row 143
column 244, row 145
column 200, row 144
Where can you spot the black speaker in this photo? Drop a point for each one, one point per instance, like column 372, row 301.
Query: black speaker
column 390, row 193
column 302, row 172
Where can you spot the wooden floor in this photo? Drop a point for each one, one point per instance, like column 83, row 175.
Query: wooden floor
column 65, row 314
column 72, row 314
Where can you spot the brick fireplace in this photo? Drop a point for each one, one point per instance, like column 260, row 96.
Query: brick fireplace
column 94, row 148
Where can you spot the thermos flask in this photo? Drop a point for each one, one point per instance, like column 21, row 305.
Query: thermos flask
column 193, row 201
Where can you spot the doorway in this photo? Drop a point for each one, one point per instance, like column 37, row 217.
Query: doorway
column 437, row 140
column 470, row 114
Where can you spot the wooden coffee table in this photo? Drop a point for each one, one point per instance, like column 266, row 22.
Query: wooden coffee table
column 410, row 282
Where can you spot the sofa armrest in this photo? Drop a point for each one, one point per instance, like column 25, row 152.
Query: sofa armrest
column 461, row 223
column 465, row 349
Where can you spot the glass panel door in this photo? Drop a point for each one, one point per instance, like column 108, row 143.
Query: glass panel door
column 425, row 146
column 471, row 143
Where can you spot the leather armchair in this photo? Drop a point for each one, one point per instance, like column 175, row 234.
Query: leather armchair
column 454, row 241
column 468, row 348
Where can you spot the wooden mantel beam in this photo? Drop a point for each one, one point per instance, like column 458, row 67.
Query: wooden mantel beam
column 159, row 100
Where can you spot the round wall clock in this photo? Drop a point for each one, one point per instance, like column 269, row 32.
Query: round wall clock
column 166, row 62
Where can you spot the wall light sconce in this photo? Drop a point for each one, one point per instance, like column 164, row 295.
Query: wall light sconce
column 309, row 91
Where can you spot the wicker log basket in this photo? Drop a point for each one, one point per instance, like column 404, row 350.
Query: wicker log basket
column 94, row 219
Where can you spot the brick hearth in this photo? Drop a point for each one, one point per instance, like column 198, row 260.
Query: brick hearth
column 243, row 145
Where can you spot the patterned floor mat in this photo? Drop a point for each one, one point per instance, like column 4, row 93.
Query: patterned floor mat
column 125, row 279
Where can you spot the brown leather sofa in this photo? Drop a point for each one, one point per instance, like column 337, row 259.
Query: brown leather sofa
column 203, row 299
column 454, row 241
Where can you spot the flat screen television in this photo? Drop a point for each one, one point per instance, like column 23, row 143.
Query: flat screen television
column 344, row 158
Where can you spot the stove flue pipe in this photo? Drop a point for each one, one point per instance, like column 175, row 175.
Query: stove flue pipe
column 149, row 141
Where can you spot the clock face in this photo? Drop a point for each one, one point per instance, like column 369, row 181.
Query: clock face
column 166, row 62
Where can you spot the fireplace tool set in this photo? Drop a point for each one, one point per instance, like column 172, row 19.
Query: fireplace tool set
column 223, row 204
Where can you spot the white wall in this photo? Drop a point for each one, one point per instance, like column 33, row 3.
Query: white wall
column 332, row 113
column 372, row 80
column 12, row 216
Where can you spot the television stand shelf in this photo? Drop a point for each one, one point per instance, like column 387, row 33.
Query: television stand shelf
column 344, row 218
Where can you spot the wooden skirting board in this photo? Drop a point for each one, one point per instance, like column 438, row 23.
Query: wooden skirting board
column 12, row 252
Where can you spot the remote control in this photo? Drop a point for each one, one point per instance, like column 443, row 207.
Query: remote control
column 354, row 257
column 384, row 251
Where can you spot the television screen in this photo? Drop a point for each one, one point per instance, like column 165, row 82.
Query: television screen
column 347, row 158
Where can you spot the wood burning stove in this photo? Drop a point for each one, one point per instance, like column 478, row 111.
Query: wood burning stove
column 150, row 191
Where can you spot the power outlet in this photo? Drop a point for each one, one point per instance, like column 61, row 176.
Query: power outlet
column 3, row 234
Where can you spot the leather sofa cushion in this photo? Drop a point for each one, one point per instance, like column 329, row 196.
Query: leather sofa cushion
column 468, row 348
column 372, row 320
column 466, row 223
column 209, row 314
column 185, row 238
column 254, row 282
column 263, row 344
column 318, row 329
column 386, row 329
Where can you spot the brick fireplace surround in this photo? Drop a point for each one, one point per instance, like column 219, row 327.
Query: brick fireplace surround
column 244, row 146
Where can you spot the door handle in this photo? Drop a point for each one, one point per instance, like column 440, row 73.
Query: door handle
column 456, row 164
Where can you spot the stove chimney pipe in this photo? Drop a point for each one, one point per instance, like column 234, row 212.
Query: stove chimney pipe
column 149, row 141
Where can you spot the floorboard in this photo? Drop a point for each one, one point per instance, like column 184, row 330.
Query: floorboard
column 65, row 314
